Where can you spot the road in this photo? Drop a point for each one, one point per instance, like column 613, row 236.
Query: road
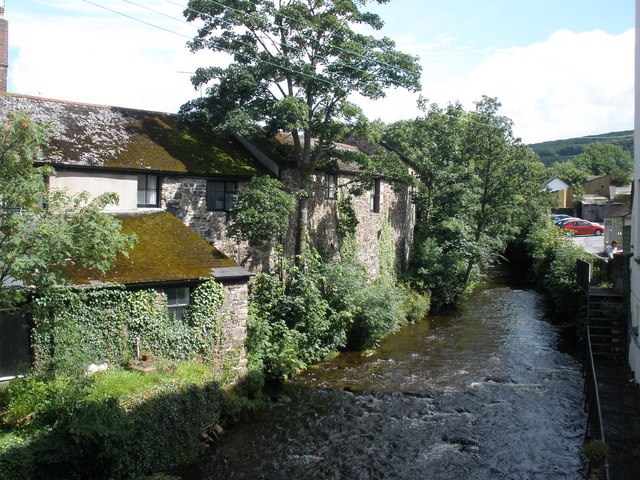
column 591, row 243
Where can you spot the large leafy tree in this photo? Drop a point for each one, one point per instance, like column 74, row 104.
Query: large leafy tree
column 506, row 183
column 478, row 185
column 44, row 231
column 296, row 63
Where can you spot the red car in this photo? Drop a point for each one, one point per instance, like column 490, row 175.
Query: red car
column 584, row 227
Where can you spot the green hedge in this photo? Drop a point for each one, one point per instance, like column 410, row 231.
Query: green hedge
column 107, row 437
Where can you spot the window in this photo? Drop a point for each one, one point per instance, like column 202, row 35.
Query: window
column 147, row 190
column 330, row 186
column 220, row 194
column 177, row 302
column 374, row 199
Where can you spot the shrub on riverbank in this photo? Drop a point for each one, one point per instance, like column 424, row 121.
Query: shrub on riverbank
column 112, row 425
column 553, row 257
column 308, row 309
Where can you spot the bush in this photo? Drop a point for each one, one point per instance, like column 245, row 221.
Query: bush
column 113, row 425
column 379, row 310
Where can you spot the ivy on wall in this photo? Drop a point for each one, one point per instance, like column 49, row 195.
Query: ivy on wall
column 76, row 327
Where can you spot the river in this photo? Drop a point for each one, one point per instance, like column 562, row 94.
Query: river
column 480, row 392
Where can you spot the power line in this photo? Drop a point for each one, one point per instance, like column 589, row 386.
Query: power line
column 137, row 19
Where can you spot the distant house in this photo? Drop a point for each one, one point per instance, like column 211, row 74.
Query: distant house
column 597, row 185
column 562, row 190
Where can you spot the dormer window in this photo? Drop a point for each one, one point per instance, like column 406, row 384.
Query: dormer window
column 147, row 190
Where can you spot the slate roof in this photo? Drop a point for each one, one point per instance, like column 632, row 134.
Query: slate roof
column 167, row 250
column 104, row 136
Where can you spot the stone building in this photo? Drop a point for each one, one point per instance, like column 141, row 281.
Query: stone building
column 156, row 166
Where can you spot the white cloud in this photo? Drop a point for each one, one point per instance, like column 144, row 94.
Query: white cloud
column 569, row 85
column 107, row 59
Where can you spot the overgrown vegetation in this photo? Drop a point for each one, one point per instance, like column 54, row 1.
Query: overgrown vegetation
column 309, row 307
column 553, row 266
column 477, row 187
column 61, row 422
column 73, row 328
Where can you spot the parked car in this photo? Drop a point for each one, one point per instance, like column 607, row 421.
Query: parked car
column 584, row 227
column 561, row 222
column 556, row 217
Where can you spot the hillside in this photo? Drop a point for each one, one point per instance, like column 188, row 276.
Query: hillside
column 562, row 150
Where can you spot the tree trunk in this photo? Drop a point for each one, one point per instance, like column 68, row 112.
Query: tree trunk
column 302, row 224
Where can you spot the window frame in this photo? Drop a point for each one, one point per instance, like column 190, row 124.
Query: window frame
column 176, row 304
column 229, row 193
column 146, row 191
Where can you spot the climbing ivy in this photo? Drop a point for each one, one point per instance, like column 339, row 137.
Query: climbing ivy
column 347, row 219
column 76, row 327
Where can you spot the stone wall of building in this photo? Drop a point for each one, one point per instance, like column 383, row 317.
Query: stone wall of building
column 395, row 206
column 186, row 198
column 233, row 314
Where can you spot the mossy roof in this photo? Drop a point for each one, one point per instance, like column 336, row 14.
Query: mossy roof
column 166, row 250
column 105, row 136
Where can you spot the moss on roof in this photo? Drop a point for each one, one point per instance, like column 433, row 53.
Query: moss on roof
column 99, row 135
column 157, row 143
column 166, row 250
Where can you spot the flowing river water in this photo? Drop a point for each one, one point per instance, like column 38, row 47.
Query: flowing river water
column 481, row 392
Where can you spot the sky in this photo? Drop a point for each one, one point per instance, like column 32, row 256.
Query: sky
column 560, row 68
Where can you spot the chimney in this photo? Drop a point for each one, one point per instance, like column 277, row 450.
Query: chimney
column 4, row 49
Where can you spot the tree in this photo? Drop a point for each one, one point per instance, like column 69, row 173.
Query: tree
column 43, row 231
column 295, row 66
column 506, row 182
column 433, row 143
column 478, row 185
column 261, row 212
column 603, row 159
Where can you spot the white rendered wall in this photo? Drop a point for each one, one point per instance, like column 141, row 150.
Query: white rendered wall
column 97, row 183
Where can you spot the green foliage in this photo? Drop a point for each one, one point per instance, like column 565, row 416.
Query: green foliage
column 603, row 158
column 289, row 326
column 308, row 309
column 347, row 219
column 559, row 151
column 113, row 425
column 74, row 328
column 45, row 231
column 260, row 213
column 477, row 187
column 554, row 258
column 379, row 310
